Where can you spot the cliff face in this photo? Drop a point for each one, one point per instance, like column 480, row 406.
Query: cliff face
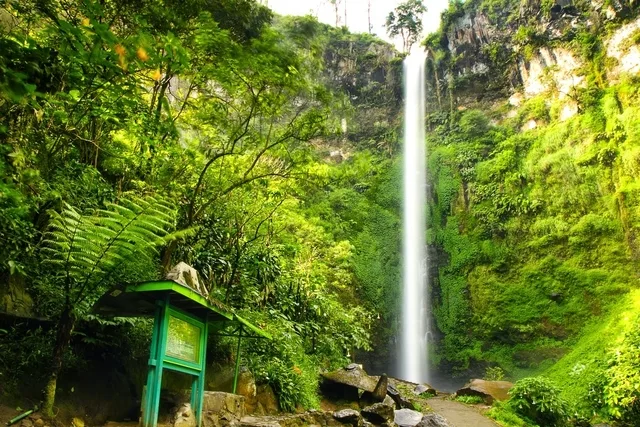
column 534, row 166
column 491, row 51
column 369, row 72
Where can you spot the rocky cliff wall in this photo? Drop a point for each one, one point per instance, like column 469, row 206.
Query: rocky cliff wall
column 488, row 51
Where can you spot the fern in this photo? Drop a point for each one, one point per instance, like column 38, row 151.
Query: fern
column 87, row 249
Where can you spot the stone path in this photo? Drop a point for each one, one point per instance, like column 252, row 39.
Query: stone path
column 458, row 414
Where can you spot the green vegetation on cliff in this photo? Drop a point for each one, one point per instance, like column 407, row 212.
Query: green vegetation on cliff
column 535, row 202
column 210, row 133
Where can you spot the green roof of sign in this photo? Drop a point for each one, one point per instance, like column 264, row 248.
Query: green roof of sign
column 140, row 299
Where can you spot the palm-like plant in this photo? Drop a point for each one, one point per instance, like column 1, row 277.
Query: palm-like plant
column 86, row 250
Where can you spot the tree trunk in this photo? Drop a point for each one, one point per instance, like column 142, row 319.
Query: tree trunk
column 65, row 327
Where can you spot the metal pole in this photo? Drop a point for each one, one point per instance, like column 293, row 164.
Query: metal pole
column 235, row 375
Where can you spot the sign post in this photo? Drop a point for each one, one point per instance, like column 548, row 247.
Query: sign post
column 183, row 320
column 179, row 344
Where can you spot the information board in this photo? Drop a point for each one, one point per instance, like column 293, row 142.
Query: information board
column 183, row 340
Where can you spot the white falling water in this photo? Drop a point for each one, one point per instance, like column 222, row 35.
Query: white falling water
column 413, row 354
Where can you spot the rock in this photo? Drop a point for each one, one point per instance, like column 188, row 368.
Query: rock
column 488, row 390
column 38, row 423
column 354, row 376
column 380, row 392
column 424, row 388
column 400, row 401
column 259, row 422
column 432, row 420
column 26, row 423
column 346, row 383
column 389, row 401
column 187, row 276
column 226, row 405
column 378, row 413
column 407, row 417
column 184, row 417
column 267, row 398
column 348, row 416
column 246, row 384
column 77, row 422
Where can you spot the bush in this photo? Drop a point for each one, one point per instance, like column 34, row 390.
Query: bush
column 494, row 373
column 621, row 389
column 539, row 399
column 469, row 400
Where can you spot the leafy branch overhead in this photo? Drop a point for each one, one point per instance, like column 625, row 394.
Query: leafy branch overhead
column 87, row 249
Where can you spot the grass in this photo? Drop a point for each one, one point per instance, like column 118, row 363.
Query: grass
column 581, row 367
column 469, row 400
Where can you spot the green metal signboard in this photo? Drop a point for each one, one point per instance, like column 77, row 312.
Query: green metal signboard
column 179, row 343
column 183, row 340
column 183, row 320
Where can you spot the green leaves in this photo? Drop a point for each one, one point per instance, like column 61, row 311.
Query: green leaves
column 538, row 398
column 85, row 249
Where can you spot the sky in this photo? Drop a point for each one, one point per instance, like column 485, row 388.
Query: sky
column 357, row 13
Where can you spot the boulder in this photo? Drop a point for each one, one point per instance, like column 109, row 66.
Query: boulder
column 487, row 390
column 378, row 413
column 424, row 388
column 347, row 384
column 185, row 417
column 218, row 406
column 353, row 376
column 400, row 401
column 432, row 420
column 348, row 416
column 380, row 392
column 267, row 398
column 246, row 384
column 407, row 417
column 186, row 275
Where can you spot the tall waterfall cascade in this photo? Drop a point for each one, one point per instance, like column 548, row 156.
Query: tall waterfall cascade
column 413, row 360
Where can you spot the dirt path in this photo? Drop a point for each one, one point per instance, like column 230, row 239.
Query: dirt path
column 458, row 414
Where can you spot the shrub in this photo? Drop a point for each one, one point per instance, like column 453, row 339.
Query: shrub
column 494, row 373
column 621, row 389
column 539, row 399
column 469, row 400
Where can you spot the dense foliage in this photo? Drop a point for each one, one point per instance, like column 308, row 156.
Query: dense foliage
column 534, row 211
column 134, row 135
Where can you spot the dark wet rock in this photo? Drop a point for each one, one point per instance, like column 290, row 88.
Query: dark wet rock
column 348, row 416
column 407, row 417
column 389, row 401
column 378, row 413
column 400, row 401
column 432, row 420
column 487, row 390
column 380, row 392
column 349, row 383
column 424, row 388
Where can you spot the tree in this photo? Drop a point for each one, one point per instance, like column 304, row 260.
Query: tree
column 406, row 21
column 87, row 251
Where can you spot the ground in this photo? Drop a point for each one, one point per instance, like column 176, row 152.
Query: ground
column 458, row 414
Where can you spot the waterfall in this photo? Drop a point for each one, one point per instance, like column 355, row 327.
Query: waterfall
column 415, row 300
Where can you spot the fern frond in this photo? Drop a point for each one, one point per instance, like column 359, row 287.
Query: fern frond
column 87, row 248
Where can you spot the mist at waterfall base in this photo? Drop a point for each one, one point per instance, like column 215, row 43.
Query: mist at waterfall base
column 413, row 358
